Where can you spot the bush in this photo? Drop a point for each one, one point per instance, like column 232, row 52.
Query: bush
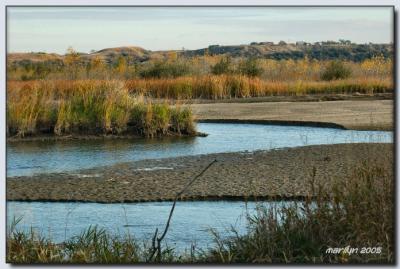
column 166, row 69
column 336, row 70
column 222, row 67
column 250, row 67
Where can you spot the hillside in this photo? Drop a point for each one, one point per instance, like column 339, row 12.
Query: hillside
column 266, row 50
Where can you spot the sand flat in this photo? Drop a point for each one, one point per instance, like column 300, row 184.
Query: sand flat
column 284, row 174
column 351, row 114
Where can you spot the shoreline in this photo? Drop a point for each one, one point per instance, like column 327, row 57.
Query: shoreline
column 363, row 114
column 281, row 174
column 353, row 115
column 319, row 124
column 89, row 137
column 225, row 198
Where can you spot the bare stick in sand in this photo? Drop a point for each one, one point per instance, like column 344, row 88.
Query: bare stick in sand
column 159, row 239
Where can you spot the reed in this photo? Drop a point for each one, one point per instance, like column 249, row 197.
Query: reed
column 357, row 212
column 239, row 86
column 89, row 107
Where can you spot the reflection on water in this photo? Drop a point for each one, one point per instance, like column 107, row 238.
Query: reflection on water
column 24, row 158
column 191, row 221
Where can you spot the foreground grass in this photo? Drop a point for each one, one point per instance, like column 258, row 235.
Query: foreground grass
column 90, row 107
column 356, row 212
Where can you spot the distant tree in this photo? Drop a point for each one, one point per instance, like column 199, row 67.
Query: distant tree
column 71, row 57
column 97, row 63
column 172, row 56
column 96, row 68
column 345, row 42
column 250, row 67
column 165, row 69
column 71, row 60
column 336, row 70
column 222, row 67
column 121, row 65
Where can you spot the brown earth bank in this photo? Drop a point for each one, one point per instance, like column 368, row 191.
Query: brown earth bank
column 276, row 174
column 349, row 114
column 295, row 98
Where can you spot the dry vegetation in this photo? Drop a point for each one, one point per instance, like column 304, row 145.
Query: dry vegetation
column 96, row 97
column 90, row 107
column 356, row 212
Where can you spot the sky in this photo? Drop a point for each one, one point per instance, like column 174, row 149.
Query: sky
column 54, row 29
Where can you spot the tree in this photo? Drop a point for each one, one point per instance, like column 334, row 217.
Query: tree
column 222, row 67
column 250, row 67
column 71, row 57
column 71, row 60
column 121, row 65
column 336, row 70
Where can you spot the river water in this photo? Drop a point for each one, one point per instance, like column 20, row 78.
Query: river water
column 192, row 220
column 25, row 158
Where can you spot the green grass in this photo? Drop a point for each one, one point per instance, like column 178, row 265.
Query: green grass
column 356, row 212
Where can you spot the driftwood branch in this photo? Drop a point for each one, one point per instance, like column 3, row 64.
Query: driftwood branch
column 157, row 249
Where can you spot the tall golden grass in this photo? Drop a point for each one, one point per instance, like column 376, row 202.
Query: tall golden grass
column 89, row 107
column 238, row 86
column 121, row 103
column 271, row 70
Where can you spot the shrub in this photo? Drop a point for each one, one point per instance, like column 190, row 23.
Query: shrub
column 222, row 67
column 250, row 67
column 165, row 69
column 335, row 70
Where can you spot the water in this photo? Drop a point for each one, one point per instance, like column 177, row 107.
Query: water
column 191, row 221
column 26, row 158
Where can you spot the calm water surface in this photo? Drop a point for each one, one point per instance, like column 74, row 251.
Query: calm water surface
column 191, row 222
column 25, row 158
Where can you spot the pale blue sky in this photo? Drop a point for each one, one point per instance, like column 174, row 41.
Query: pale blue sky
column 54, row 29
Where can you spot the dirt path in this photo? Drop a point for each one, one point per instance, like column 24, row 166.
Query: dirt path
column 357, row 115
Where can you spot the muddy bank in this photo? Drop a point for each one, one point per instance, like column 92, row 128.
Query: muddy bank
column 89, row 137
column 350, row 114
column 283, row 174
column 277, row 122
column 298, row 98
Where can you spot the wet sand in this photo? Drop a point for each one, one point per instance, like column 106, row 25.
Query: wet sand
column 275, row 174
column 349, row 114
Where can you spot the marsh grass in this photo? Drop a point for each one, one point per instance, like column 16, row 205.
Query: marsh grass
column 240, row 86
column 356, row 211
column 90, row 107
